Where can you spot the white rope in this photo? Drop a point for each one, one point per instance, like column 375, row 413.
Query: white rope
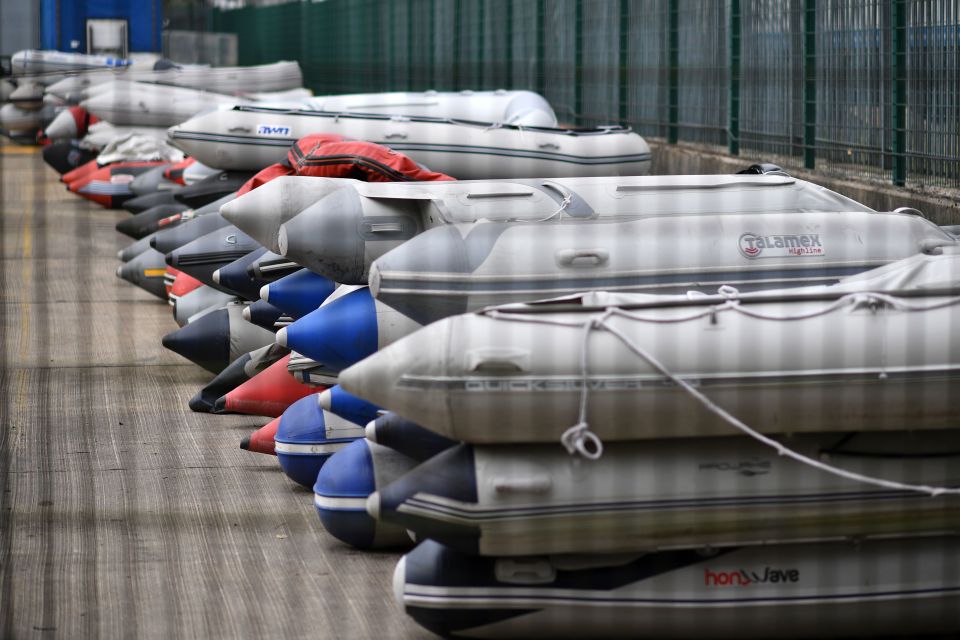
column 567, row 199
column 578, row 439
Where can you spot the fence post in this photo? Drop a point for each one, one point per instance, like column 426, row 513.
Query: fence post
column 481, row 43
column 457, row 39
column 898, row 22
column 410, row 22
column 432, row 54
column 508, row 71
column 391, row 45
column 810, row 84
column 673, row 66
column 541, row 47
column 733, row 106
column 578, row 63
column 623, row 93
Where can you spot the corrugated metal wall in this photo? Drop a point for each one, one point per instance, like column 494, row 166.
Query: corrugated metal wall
column 861, row 88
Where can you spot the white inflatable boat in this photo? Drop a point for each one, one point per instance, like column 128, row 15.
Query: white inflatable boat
column 385, row 215
column 463, row 267
column 40, row 61
column 278, row 76
column 789, row 362
column 251, row 138
column 18, row 120
column 141, row 104
column 524, row 108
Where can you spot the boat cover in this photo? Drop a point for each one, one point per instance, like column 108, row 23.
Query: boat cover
column 135, row 147
column 331, row 156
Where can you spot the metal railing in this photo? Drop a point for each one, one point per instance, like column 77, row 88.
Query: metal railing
column 867, row 89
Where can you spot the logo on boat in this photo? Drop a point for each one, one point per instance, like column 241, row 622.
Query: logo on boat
column 747, row 468
column 272, row 130
column 747, row 578
column 796, row 244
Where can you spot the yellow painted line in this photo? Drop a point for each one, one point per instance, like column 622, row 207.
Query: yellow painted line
column 18, row 149
column 154, row 273
column 26, row 244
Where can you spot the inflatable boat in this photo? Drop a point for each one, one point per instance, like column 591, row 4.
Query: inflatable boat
column 816, row 360
column 331, row 160
column 343, row 331
column 462, row 267
column 28, row 94
column 6, row 89
column 145, row 104
column 307, row 436
column 408, row 438
column 202, row 257
column 277, row 76
column 267, row 394
column 146, row 270
column 379, row 217
column 310, row 371
column 16, row 119
column 69, row 124
column 198, row 303
column 516, row 500
column 140, row 104
column 217, row 338
column 875, row 588
column 524, row 108
column 254, row 137
column 240, row 370
column 298, row 293
column 42, row 61
column 343, row 485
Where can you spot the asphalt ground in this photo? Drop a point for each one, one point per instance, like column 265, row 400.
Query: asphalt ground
column 122, row 513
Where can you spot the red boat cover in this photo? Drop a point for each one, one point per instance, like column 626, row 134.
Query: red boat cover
column 331, row 156
column 264, row 176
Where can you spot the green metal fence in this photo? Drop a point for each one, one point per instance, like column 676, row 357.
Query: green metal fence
column 868, row 89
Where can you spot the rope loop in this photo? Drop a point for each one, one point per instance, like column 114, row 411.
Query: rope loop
column 729, row 292
column 578, row 439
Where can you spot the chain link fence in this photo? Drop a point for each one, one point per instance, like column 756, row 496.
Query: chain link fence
column 865, row 89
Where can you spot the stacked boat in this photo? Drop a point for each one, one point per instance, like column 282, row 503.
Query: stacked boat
column 573, row 462
column 599, row 402
column 144, row 92
column 616, row 464
column 27, row 107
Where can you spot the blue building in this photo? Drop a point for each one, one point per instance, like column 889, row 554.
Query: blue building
column 64, row 23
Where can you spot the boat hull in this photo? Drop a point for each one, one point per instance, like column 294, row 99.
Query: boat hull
column 518, row 500
column 828, row 590
column 253, row 138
